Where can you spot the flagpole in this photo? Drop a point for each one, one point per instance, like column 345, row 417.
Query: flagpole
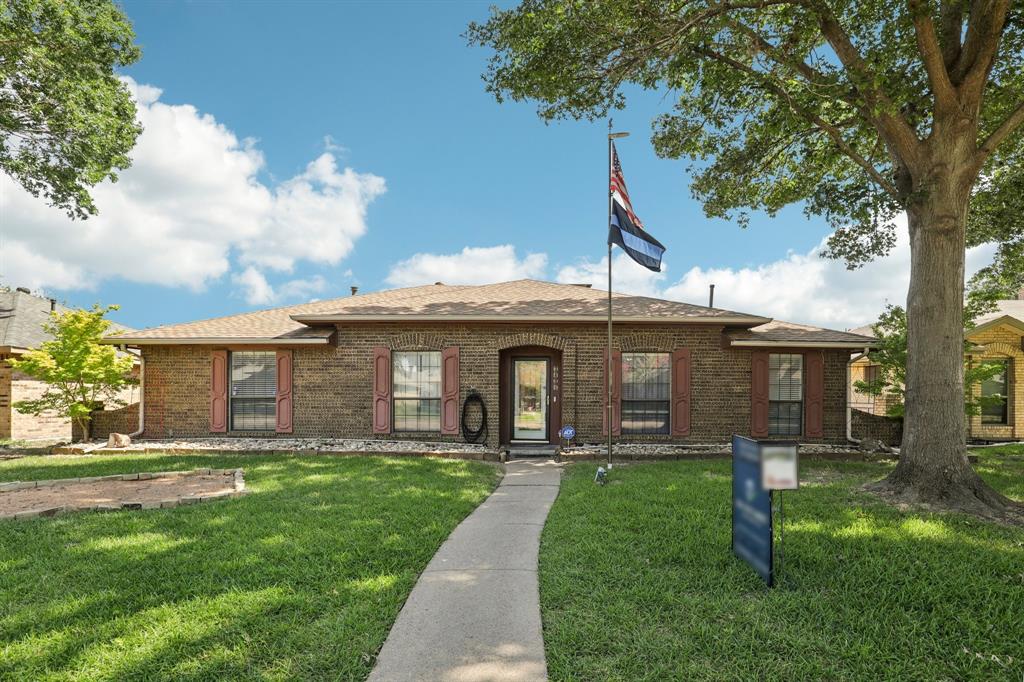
column 608, row 358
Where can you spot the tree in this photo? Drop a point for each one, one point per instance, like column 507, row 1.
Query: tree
column 891, row 359
column 78, row 370
column 859, row 110
column 996, row 214
column 67, row 121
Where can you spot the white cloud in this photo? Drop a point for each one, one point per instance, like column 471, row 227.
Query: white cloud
column 257, row 290
column 627, row 276
column 473, row 265
column 802, row 287
column 190, row 206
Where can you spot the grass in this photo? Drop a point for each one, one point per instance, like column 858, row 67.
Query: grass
column 638, row 582
column 302, row 579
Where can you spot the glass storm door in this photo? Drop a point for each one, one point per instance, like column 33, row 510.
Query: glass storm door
column 530, row 400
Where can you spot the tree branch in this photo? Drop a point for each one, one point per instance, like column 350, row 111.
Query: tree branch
column 931, row 55
column 984, row 27
column 1004, row 130
column 814, row 118
column 898, row 133
column 951, row 15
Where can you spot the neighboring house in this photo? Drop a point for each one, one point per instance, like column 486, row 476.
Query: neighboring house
column 863, row 369
column 22, row 316
column 997, row 337
column 400, row 364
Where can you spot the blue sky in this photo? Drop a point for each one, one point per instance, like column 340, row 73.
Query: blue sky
column 391, row 90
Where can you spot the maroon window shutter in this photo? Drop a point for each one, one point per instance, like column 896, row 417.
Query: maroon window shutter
column 381, row 390
column 283, row 403
column 681, row 392
column 759, row 394
column 814, row 401
column 219, row 391
column 616, row 393
column 450, row 390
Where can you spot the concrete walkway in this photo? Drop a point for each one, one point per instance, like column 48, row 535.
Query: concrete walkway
column 474, row 614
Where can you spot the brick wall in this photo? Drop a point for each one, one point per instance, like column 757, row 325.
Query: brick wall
column 332, row 385
column 105, row 422
column 15, row 386
column 1000, row 343
column 866, row 425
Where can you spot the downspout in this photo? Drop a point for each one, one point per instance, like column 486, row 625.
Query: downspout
column 142, row 394
column 849, row 399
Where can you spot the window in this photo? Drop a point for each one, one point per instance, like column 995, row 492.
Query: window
column 645, row 392
column 785, row 394
column 417, row 390
column 995, row 410
column 253, row 390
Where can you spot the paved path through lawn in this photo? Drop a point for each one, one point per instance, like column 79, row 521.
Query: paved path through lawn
column 474, row 614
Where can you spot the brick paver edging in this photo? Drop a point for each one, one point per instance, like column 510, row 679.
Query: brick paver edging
column 238, row 489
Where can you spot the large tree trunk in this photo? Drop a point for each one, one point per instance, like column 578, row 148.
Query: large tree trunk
column 933, row 466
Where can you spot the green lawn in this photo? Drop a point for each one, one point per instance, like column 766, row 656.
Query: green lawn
column 302, row 579
column 638, row 582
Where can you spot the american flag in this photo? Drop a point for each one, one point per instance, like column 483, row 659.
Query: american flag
column 618, row 187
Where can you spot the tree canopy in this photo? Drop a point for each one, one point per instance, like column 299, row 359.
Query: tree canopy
column 813, row 101
column 67, row 121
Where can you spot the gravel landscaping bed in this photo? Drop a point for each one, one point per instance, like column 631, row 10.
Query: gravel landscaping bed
column 164, row 489
column 283, row 445
column 690, row 450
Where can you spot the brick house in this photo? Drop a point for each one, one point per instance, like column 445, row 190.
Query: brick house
column 400, row 364
column 997, row 337
column 22, row 315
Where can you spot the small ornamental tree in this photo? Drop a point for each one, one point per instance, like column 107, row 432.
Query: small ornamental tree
column 891, row 358
column 78, row 370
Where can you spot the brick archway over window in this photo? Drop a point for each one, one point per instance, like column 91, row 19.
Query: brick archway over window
column 646, row 342
column 418, row 341
column 999, row 348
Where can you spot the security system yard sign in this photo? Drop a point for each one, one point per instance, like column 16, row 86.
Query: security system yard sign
column 757, row 469
column 779, row 466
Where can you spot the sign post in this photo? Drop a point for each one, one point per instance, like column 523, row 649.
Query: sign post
column 758, row 468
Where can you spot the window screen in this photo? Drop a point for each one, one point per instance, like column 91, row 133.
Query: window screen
column 417, row 390
column 253, row 390
column 785, row 394
column 995, row 408
column 646, row 390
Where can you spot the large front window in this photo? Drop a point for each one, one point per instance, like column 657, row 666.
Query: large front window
column 785, row 394
column 645, row 392
column 995, row 406
column 417, row 390
column 253, row 390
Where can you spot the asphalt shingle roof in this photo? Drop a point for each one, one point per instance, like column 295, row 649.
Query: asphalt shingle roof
column 22, row 317
column 518, row 300
column 778, row 331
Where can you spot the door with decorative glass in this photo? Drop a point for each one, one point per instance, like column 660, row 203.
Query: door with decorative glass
column 530, row 399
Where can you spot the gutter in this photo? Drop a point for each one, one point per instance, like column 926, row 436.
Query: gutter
column 754, row 343
column 215, row 341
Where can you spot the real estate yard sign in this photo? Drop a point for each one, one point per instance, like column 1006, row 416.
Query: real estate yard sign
column 751, row 509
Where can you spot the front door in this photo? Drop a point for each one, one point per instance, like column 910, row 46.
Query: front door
column 530, row 399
